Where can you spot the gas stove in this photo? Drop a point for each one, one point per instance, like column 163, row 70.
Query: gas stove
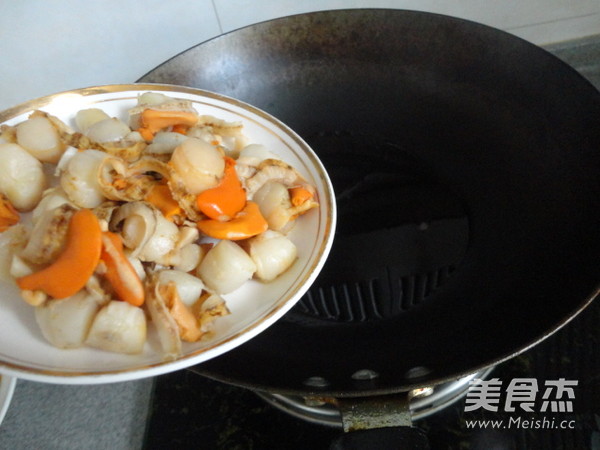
column 191, row 411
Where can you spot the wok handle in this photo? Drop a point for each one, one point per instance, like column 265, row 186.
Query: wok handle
column 396, row 438
column 379, row 423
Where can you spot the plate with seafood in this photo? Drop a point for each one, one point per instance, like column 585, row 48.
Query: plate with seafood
column 146, row 228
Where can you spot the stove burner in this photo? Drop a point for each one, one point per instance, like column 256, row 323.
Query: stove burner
column 401, row 232
column 424, row 403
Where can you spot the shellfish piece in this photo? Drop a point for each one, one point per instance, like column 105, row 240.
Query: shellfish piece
column 208, row 308
column 226, row 267
column 254, row 154
column 65, row 133
column 80, row 178
column 273, row 199
column 108, row 130
column 164, row 143
column 247, row 223
column 85, row 118
column 196, row 320
column 197, row 165
column 22, row 179
column 63, row 129
column 206, row 134
column 155, row 120
column 40, row 138
column 273, row 170
column 52, row 198
column 164, row 323
column 230, row 134
column 187, row 323
column 48, row 235
column 186, row 254
column 136, row 223
column 273, row 253
column 144, row 230
column 123, row 181
column 65, row 323
column 189, row 288
column 118, row 327
column 244, row 171
column 226, row 199
column 153, row 98
column 120, row 273
column 130, row 148
column 161, row 197
column 161, row 242
column 219, row 125
column 61, row 165
column 185, row 200
column 188, row 257
column 301, row 194
column 75, row 264
column 281, row 205
column 156, row 101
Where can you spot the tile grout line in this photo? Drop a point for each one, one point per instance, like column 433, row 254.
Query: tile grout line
column 551, row 22
column 217, row 16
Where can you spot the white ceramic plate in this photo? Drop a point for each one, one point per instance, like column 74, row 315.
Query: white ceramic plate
column 24, row 352
column 7, row 387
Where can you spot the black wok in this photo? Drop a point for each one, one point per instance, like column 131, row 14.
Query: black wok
column 451, row 124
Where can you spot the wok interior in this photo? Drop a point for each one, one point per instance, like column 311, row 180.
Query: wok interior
column 507, row 134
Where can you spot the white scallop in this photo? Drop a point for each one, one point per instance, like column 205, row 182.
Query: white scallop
column 198, row 164
column 39, row 137
column 188, row 286
column 226, row 267
column 22, row 179
column 80, row 179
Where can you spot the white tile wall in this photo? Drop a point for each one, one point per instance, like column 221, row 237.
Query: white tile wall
column 54, row 45
column 504, row 14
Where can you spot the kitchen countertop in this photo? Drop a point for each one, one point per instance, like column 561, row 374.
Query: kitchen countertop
column 115, row 416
